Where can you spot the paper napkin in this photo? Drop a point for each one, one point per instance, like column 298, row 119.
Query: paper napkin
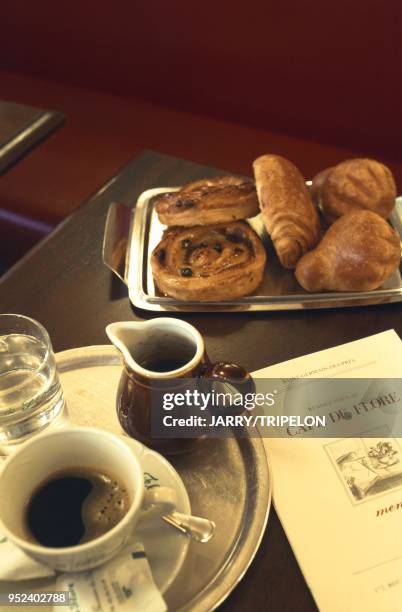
column 123, row 583
column 16, row 565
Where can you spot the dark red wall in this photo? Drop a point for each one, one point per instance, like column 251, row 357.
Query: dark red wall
column 325, row 70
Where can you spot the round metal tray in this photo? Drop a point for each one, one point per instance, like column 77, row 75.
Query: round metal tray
column 227, row 480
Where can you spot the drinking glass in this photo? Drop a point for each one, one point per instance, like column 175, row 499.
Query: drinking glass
column 31, row 396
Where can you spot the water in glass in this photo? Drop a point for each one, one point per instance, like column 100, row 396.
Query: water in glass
column 30, row 392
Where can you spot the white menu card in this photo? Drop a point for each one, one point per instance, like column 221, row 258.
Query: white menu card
column 340, row 500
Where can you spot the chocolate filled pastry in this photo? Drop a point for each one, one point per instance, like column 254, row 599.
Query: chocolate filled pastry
column 209, row 263
column 289, row 214
column 355, row 184
column 357, row 253
column 217, row 200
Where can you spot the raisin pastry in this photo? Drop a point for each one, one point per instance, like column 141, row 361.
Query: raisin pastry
column 217, row 200
column 209, row 263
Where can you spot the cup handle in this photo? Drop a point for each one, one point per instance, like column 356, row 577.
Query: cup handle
column 157, row 502
column 233, row 374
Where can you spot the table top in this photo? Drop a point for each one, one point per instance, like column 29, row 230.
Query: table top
column 64, row 284
column 21, row 129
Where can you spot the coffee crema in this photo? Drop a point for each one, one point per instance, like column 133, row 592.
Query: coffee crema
column 75, row 506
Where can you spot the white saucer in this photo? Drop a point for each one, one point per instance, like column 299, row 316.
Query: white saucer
column 164, row 545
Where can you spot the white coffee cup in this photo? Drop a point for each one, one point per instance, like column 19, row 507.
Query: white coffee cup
column 49, row 453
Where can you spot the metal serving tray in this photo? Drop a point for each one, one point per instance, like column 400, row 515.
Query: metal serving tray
column 227, row 480
column 131, row 236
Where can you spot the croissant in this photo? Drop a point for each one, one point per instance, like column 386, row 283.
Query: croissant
column 217, row 200
column 209, row 263
column 290, row 216
column 357, row 253
column 353, row 185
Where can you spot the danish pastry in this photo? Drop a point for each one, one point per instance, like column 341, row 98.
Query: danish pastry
column 217, row 200
column 209, row 263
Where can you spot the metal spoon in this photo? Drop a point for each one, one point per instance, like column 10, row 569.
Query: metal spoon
column 197, row 528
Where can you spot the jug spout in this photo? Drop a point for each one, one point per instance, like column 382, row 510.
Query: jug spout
column 141, row 342
column 125, row 336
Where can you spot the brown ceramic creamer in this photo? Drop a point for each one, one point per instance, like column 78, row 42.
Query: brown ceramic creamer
column 160, row 356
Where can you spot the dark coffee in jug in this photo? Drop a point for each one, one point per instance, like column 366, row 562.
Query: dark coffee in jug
column 160, row 364
column 75, row 506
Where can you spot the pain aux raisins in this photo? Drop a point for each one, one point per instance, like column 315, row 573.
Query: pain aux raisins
column 185, row 243
column 187, row 272
column 218, row 247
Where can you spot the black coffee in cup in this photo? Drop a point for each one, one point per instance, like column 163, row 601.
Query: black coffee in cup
column 75, row 506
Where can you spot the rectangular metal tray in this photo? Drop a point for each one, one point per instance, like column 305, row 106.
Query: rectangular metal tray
column 131, row 236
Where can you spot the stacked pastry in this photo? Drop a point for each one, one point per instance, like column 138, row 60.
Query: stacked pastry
column 359, row 251
column 208, row 253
